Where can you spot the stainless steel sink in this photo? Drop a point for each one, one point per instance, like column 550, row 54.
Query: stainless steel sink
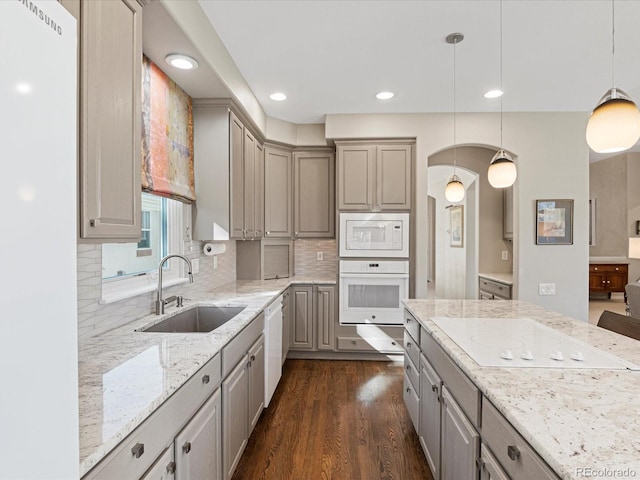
column 200, row 319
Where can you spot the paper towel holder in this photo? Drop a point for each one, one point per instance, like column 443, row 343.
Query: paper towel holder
column 213, row 248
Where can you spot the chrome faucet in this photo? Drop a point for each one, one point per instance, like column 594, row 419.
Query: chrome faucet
column 159, row 302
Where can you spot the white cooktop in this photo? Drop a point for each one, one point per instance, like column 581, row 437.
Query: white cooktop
column 523, row 342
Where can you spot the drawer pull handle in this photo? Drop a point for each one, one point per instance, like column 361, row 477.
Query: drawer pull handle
column 408, row 344
column 205, row 379
column 408, row 367
column 253, row 358
column 171, row 468
column 408, row 320
column 393, row 343
column 408, row 390
column 434, row 388
column 353, row 342
column 137, row 450
column 186, row 448
column 513, row 452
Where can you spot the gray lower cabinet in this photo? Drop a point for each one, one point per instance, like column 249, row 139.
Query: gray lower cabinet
column 286, row 322
column 164, row 468
column 198, row 448
column 460, row 442
column 110, row 74
column 242, row 392
column 235, row 396
column 312, row 317
column 314, row 194
column 430, row 415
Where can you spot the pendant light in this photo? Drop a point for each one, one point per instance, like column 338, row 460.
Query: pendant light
column 455, row 190
column 502, row 169
column 614, row 125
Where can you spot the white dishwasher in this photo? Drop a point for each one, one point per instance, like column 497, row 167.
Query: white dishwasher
column 273, row 348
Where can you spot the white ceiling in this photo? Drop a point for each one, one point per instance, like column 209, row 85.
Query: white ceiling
column 333, row 56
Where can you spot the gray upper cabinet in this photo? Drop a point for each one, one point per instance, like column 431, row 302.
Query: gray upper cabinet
column 375, row 177
column 314, row 194
column 277, row 193
column 228, row 163
column 110, row 119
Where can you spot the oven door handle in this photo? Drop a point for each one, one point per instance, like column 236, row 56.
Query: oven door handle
column 374, row 275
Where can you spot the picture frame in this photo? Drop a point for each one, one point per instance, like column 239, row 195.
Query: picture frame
column 592, row 222
column 554, row 222
column 456, row 226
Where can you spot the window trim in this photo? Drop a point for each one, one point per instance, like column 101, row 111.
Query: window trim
column 116, row 289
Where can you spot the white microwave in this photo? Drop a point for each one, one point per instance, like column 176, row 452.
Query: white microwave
column 374, row 235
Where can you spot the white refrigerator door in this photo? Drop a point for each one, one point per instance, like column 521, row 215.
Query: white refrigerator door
column 38, row 325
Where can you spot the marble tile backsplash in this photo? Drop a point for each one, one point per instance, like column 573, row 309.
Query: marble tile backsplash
column 94, row 318
column 305, row 257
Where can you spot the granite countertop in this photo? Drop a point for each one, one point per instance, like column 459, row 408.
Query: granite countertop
column 125, row 375
column 574, row 419
column 506, row 278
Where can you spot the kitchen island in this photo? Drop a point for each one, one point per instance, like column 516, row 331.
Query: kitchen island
column 581, row 422
column 125, row 375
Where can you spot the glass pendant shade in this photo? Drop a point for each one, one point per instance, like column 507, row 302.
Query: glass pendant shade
column 502, row 170
column 614, row 125
column 455, row 190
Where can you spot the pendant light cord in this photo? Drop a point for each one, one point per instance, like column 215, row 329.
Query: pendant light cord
column 613, row 42
column 454, row 106
column 501, row 87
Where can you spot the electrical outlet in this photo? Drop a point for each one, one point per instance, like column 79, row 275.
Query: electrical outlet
column 320, row 256
column 546, row 289
column 195, row 265
column 505, row 255
column 215, row 262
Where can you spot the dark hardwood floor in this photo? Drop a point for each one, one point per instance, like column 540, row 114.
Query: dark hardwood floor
column 339, row 420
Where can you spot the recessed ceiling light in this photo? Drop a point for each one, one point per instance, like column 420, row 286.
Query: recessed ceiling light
column 384, row 95
column 24, row 88
column 278, row 96
column 184, row 62
column 493, row 94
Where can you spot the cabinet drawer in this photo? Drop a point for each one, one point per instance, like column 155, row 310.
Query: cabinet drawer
column 412, row 371
column 608, row 268
column 411, row 348
column 496, row 288
column 370, row 344
column 465, row 392
column 510, row 449
column 145, row 444
column 412, row 325
column 241, row 343
column 412, row 401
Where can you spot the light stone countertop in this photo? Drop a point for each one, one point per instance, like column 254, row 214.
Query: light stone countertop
column 506, row 278
column 124, row 375
column 573, row 418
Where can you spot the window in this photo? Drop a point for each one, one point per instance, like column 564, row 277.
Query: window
column 129, row 269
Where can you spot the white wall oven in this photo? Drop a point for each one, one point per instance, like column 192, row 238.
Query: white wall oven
column 371, row 291
column 374, row 235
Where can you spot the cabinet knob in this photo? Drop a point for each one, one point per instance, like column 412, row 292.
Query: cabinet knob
column 408, row 320
column 408, row 367
column 94, row 222
column 596, row 268
column 513, row 452
column 137, row 450
column 205, row 379
column 393, row 343
column 408, row 344
column 171, row 468
column 408, row 390
column 253, row 358
column 267, row 233
column 373, row 317
column 186, row 448
column 617, row 269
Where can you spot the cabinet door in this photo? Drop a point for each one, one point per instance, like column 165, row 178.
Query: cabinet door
column 430, row 397
column 314, row 195
column 616, row 280
column 597, row 280
column 325, row 308
column 491, row 469
column 236, row 182
column 110, row 119
column 259, row 191
column 356, row 170
column 164, row 468
column 256, row 382
column 302, row 318
column 235, row 397
column 393, row 177
column 277, row 193
column 459, row 444
column 249, row 159
column 198, row 446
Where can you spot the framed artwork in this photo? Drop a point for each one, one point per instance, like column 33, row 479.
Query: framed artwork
column 554, row 222
column 456, row 225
